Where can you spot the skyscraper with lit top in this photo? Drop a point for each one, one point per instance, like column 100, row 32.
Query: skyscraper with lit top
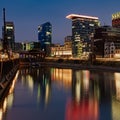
column 82, row 32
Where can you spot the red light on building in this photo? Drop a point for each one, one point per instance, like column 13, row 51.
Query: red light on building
column 116, row 19
column 116, row 23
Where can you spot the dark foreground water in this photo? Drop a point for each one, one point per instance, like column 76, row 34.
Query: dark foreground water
column 62, row 94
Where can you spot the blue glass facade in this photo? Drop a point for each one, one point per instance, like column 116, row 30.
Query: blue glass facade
column 45, row 37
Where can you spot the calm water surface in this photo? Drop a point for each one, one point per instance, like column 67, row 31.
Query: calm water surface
column 62, row 94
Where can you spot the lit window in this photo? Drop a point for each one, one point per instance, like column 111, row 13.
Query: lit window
column 8, row 37
column 9, row 27
column 48, row 33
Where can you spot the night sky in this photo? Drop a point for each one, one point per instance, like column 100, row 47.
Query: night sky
column 28, row 14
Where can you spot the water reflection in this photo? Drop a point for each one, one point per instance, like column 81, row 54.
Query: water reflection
column 117, row 84
column 62, row 76
column 67, row 94
column 37, row 77
column 116, row 97
column 84, row 102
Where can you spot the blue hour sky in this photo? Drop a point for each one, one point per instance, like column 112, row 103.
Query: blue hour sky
column 28, row 14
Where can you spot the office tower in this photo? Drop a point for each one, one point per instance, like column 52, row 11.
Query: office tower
column 9, row 35
column 82, row 32
column 116, row 20
column 45, row 37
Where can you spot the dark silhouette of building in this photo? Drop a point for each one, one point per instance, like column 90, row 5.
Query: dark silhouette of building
column 45, row 37
column 107, row 42
column 9, row 35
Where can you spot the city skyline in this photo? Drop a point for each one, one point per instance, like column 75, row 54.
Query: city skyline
column 28, row 14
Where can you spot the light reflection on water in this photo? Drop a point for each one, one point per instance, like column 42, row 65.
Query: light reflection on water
column 63, row 94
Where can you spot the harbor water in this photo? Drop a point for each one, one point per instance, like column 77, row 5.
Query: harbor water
column 47, row 93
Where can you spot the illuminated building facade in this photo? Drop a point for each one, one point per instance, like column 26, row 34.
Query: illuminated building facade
column 10, row 35
column 26, row 46
column 116, row 20
column 62, row 50
column 107, row 42
column 82, row 30
column 45, row 37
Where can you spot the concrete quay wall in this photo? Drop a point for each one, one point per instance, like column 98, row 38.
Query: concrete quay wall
column 7, row 66
column 7, row 73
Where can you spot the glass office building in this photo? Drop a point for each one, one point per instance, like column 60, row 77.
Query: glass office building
column 82, row 32
column 45, row 37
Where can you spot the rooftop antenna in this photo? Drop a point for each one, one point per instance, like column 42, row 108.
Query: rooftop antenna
column 5, row 41
column 4, row 32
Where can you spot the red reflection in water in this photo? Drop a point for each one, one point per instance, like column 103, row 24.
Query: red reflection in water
column 85, row 110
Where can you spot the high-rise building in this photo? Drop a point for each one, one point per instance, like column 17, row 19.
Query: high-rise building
column 116, row 20
column 82, row 30
column 9, row 35
column 45, row 37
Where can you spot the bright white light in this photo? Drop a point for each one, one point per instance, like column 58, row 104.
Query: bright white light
column 71, row 16
column 9, row 27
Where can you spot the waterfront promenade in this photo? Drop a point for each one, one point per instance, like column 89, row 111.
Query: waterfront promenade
column 106, row 64
column 79, row 66
column 98, row 64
